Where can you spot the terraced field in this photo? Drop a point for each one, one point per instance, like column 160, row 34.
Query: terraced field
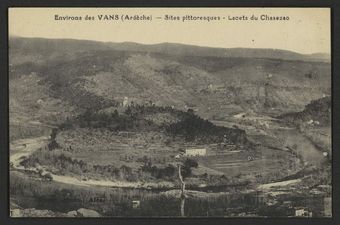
column 265, row 164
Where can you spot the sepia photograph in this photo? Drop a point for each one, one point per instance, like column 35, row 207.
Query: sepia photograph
column 170, row 112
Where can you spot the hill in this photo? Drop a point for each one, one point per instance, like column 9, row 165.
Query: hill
column 191, row 50
column 171, row 122
column 318, row 111
column 52, row 47
column 52, row 80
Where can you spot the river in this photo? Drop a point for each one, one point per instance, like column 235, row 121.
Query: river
column 224, row 204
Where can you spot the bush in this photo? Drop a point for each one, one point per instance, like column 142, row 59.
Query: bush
column 194, row 128
column 187, row 165
column 160, row 173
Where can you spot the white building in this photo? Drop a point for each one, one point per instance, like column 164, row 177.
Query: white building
column 196, row 152
column 125, row 101
column 301, row 212
column 136, row 204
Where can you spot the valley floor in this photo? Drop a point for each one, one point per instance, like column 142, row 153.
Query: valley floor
column 293, row 140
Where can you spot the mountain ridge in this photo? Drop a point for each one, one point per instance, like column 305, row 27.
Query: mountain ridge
column 77, row 75
column 167, row 48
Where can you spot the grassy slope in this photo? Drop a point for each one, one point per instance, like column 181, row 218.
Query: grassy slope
column 209, row 84
column 318, row 111
column 80, row 75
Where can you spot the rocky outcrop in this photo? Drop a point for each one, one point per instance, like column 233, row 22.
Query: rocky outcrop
column 17, row 211
column 32, row 212
column 82, row 212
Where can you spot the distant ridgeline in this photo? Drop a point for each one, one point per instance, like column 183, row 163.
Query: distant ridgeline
column 318, row 111
column 72, row 77
column 97, row 74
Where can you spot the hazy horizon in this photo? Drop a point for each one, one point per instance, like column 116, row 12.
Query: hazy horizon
column 174, row 43
column 304, row 33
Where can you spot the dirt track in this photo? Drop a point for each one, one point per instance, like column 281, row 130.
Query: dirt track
column 296, row 141
column 25, row 147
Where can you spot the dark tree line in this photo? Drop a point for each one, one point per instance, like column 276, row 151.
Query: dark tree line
column 319, row 110
column 159, row 173
column 190, row 126
column 194, row 128
column 170, row 171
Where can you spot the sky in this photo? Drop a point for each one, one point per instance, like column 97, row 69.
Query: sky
column 307, row 31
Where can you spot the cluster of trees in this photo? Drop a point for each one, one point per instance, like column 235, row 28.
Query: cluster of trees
column 188, row 164
column 165, row 173
column 319, row 110
column 155, row 159
column 53, row 143
column 190, row 126
column 65, row 164
column 113, row 122
column 194, row 128
column 150, row 108
column 170, row 171
column 133, row 118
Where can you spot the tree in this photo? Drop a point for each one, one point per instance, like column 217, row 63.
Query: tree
column 53, row 145
column 187, row 165
column 128, row 111
column 190, row 163
column 54, row 133
column 191, row 111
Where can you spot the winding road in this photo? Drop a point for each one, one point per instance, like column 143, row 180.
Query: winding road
column 20, row 149
column 23, row 148
column 296, row 141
